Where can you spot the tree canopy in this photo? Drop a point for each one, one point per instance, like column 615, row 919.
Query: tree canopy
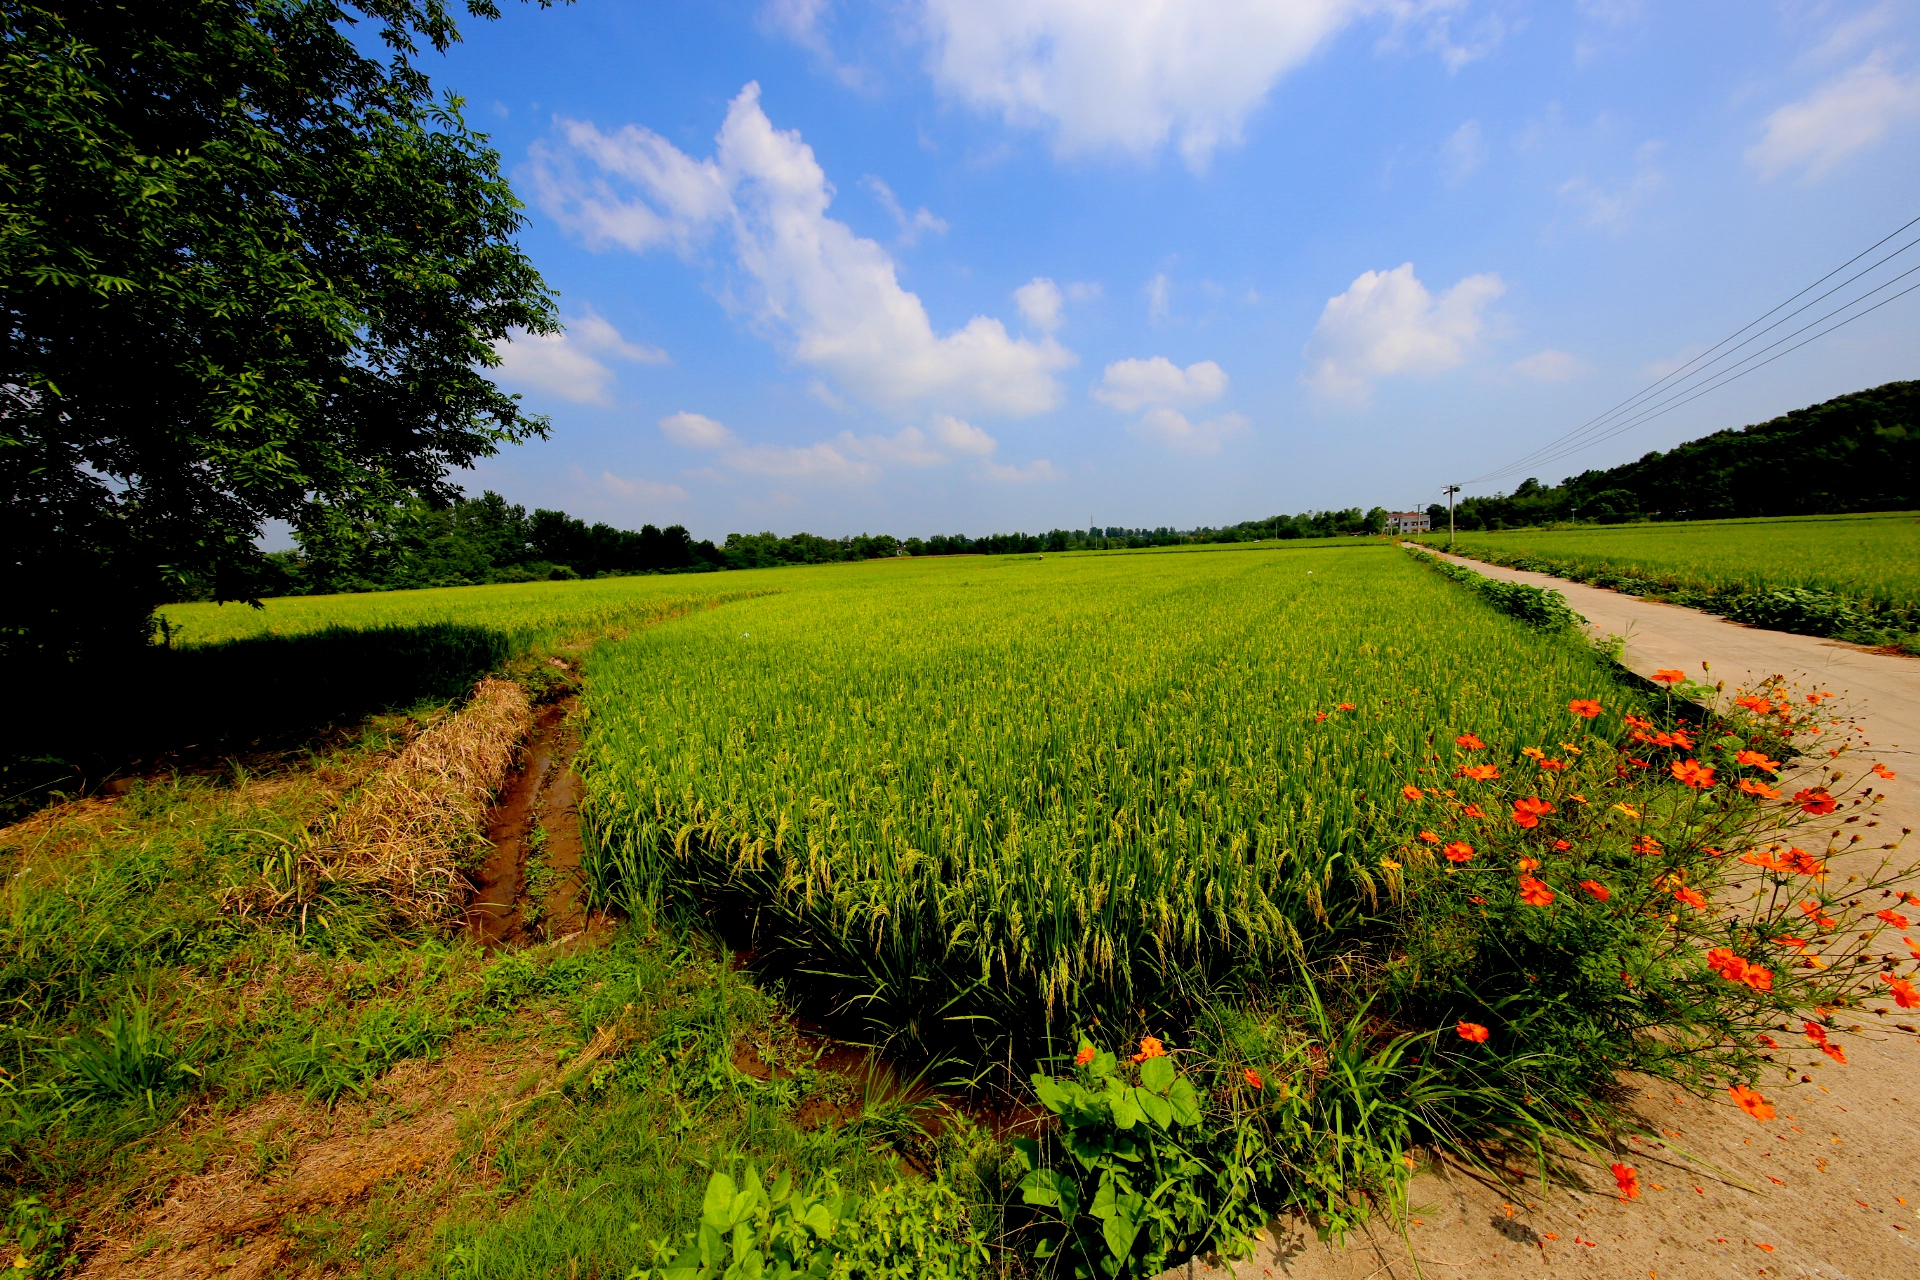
column 249, row 273
column 1857, row 452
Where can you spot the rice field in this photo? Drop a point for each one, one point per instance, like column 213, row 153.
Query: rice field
column 527, row 612
column 1011, row 788
column 1873, row 559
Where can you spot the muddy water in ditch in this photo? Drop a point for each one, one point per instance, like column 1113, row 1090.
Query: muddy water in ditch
column 531, row 888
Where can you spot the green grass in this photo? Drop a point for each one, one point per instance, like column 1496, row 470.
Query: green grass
column 1872, row 559
column 995, row 795
column 144, row 1015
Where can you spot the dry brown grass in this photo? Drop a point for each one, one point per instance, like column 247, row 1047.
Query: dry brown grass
column 412, row 831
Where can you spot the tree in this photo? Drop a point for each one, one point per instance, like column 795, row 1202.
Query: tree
column 249, row 273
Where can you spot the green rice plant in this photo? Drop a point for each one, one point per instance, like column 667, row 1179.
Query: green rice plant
column 969, row 804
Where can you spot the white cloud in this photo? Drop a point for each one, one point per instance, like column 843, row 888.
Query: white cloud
column 911, row 224
column 1463, row 152
column 1084, row 291
column 696, row 431
column 1133, row 74
column 564, row 364
column 1551, row 366
column 685, row 197
column 908, row 448
column 820, row 462
column 1159, row 294
column 1843, row 116
column 1002, row 473
column 1660, row 367
column 1042, row 303
column 1171, row 428
column 1386, row 323
column 963, row 437
column 833, row 298
column 646, row 490
column 1609, row 208
column 1128, row 385
column 802, row 21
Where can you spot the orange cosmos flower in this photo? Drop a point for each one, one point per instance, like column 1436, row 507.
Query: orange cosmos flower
column 1757, row 789
column 1815, row 801
column 1884, row 772
column 1430, row 837
column 1668, row 676
column 1470, row 741
column 1913, row 947
column 1083, row 1057
column 1755, row 760
column 1478, row 772
column 1835, row 1052
column 1815, row 1032
column 1812, row 910
column 1751, row 1102
column 1528, row 812
column 1534, row 892
column 1647, row 844
column 1759, row 706
column 1585, row 708
column 1805, row 864
column 1252, row 1077
column 1553, row 766
column 1533, row 753
column 1562, row 845
column 1345, row 706
column 1903, row 993
column 1767, row 860
column 1692, row 897
column 1411, row 792
column 1693, row 773
column 1628, row 1180
column 1529, row 864
column 1893, row 918
column 1459, row 851
column 1318, row 716
column 1597, row 889
column 1636, row 722
column 1474, row 811
column 1472, row 1031
column 1150, row 1048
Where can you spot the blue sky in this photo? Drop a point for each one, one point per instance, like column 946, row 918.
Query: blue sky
column 973, row 265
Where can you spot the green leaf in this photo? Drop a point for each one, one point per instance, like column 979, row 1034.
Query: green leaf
column 1055, row 1095
column 1186, row 1105
column 716, row 1209
column 1027, row 1151
column 1157, row 1074
column 1120, row 1231
column 1126, row 1112
column 1157, row 1108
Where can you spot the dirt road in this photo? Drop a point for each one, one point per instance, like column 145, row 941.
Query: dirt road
column 1830, row 1188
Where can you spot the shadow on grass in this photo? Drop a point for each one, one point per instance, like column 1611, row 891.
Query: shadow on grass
column 69, row 731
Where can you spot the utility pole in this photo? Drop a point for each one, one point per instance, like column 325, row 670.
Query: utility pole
column 1451, row 490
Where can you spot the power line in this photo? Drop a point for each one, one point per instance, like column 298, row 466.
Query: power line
column 1606, row 425
column 1729, row 374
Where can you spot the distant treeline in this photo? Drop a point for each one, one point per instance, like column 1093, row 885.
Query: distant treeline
column 487, row 539
column 1859, row 452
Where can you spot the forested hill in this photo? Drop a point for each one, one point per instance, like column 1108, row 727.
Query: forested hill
column 1858, row 452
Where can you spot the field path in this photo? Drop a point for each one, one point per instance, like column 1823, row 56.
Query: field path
column 1830, row 1188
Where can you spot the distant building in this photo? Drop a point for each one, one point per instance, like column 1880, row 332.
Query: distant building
column 1409, row 522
